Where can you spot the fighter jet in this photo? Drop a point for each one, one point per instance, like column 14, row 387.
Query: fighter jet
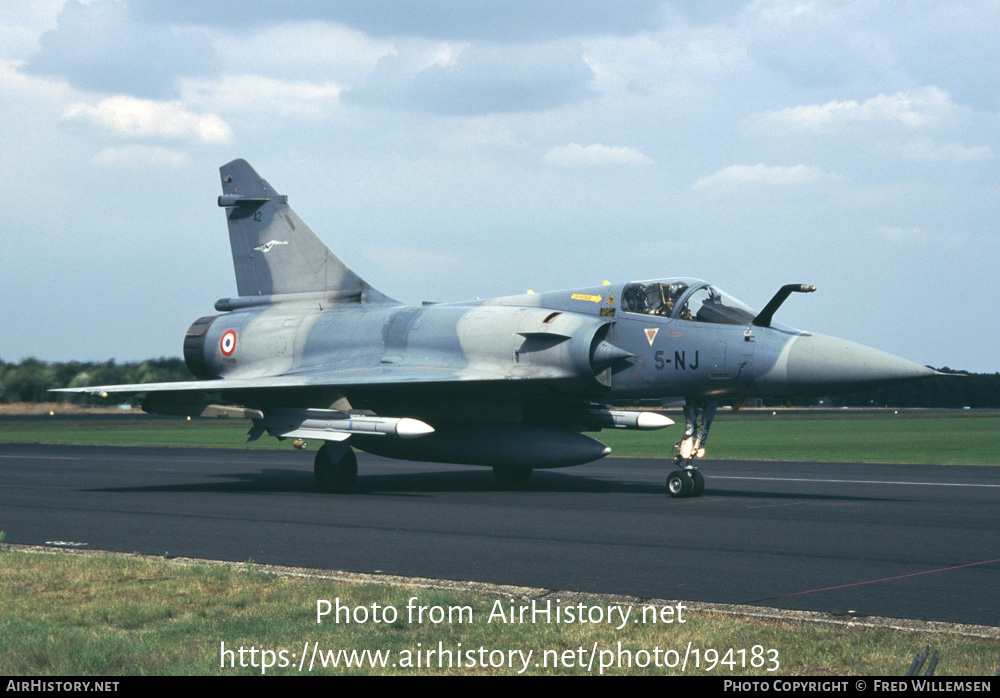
column 308, row 350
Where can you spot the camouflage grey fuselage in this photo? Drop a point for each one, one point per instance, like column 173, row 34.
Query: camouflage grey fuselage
column 575, row 346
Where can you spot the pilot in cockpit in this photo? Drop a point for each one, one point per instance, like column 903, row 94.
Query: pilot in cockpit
column 653, row 299
column 634, row 299
column 674, row 292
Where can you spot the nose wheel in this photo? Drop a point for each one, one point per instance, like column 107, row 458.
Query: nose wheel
column 685, row 483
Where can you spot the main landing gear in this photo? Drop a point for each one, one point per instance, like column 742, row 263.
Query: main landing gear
column 688, row 481
column 335, row 467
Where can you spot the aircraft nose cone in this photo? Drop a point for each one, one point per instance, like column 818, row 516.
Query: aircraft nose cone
column 821, row 365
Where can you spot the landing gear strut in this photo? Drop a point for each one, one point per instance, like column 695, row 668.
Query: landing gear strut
column 688, row 481
column 335, row 467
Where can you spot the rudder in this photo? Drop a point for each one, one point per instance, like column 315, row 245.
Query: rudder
column 274, row 251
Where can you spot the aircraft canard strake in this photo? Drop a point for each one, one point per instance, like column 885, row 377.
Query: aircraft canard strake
column 309, row 350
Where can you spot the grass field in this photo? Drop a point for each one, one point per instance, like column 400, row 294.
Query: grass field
column 959, row 437
column 116, row 615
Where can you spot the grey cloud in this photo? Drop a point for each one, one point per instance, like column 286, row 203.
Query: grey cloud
column 100, row 46
column 481, row 80
column 489, row 20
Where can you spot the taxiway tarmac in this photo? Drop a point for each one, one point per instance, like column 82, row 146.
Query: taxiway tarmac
column 903, row 541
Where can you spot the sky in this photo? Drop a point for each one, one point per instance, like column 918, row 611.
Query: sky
column 453, row 149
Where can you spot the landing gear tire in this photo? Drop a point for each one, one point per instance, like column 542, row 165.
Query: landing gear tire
column 680, row 484
column 685, row 483
column 511, row 476
column 698, row 482
column 336, row 469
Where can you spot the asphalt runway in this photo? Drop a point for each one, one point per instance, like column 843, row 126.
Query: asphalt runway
column 903, row 541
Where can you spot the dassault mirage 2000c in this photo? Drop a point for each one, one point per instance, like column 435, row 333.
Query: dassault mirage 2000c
column 309, row 350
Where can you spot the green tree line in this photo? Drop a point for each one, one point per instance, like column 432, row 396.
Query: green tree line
column 955, row 390
column 29, row 381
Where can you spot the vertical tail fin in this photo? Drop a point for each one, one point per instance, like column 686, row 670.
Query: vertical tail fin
column 274, row 251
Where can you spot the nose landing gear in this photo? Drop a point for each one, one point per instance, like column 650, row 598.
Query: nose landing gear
column 688, row 481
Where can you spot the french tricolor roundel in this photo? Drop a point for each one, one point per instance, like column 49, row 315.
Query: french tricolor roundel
column 228, row 343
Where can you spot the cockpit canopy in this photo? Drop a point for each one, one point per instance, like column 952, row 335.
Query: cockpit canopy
column 685, row 299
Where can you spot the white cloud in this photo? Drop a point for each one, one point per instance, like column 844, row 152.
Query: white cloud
column 259, row 94
column 923, row 108
column 145, row 118
column 926, row 150
column 139, row 156
column 762, row 174
column 678, row 55
column 575, row 155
